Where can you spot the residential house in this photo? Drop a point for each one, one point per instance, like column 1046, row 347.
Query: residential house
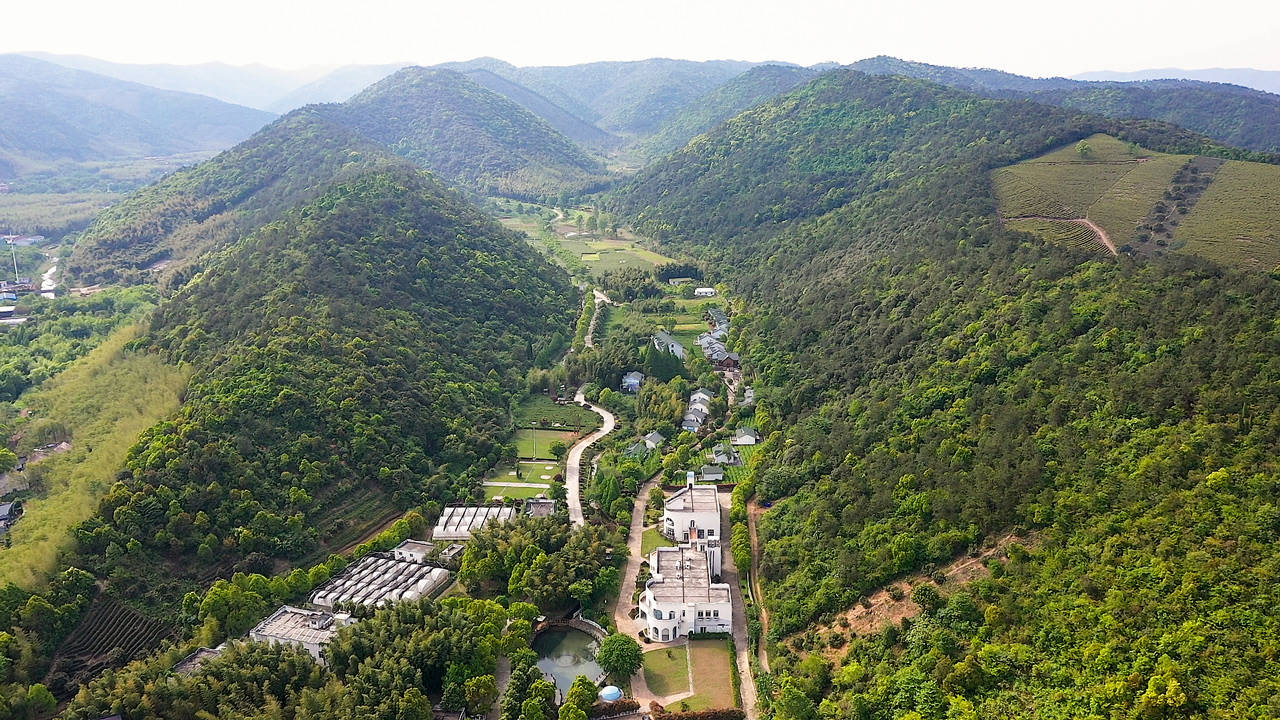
column 680, row 598
column 723, row 454
column 745, row 436
column 712, row 473
column 704, row 292
column 631, row 381
column 663, row 341
column 678, row 281
column 637, row 450
column 717, row 319
column 702, row 394
column 694, row 419
column 748, row 396
column 9, row 513
column 654, row 440
column 540, row 507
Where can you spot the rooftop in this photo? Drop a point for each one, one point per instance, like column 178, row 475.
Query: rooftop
column 696, row 498
column 292, row 624
column 459, row 521
column 686, row 577
column 377, row 579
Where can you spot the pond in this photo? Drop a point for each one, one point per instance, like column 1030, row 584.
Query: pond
column 563, row 655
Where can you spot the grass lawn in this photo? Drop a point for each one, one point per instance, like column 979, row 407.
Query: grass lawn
column 540, row 411
column 712, row 666
column 651, row 539
column 666, row 671
column 520, row 493
column 537, row 443
column 738, row 473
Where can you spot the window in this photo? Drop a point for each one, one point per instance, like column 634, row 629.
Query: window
column 715, row 613
column 702, row 534
column 711, row 533
column 657, row 614
column 686, row 536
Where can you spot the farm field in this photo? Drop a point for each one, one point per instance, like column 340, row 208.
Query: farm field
column 539, row 411
column 712, row 667
column 589, row 252
column 109, row 632
column 537, row 443
column 1127, row 203
column 1237, row 220
column 102, row 402
column 1059, row 232
column 666, row 670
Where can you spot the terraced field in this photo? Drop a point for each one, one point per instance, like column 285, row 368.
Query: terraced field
column 1059, row 232
column 110, row 633
column 1237, row 220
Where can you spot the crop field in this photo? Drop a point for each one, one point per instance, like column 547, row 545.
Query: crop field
column 738, row 473
column 1237, row 220
column 537, row 443
column 1060, row 232
column 1128, row 202
column 1073, row 186
column 110, row 632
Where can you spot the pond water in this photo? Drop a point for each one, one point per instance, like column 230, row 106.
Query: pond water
column 563, row 655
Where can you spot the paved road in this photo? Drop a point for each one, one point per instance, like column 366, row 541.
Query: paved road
column 741, row 643
column 573, row 464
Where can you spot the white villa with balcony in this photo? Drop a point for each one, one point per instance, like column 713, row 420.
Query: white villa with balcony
column 692, row 516
column 680, row 598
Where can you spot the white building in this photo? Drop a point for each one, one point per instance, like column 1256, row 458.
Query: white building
column 704, row 292
column 680, row 598
column 458, row 522
column 692, row 516
column 413, row 550
column 746, row 436
column 378, row 579
column 632, row 381
column 310, row 630
column 664, row 341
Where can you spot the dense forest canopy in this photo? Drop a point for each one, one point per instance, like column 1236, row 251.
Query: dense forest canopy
column 365, row 346
column 1227, row 113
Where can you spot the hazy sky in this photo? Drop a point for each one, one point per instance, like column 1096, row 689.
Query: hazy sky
column 1025, row 36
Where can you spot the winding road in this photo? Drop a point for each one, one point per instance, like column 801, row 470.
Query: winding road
column 573, row 463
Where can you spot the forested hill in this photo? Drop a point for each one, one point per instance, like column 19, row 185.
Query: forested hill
column 356, row 357
column 857, row 160
column 565, row 122
column 469, row 134
column 54, row 114
column 1228, row 113
column 936, row 383
column 750, row 88
column 203, row 208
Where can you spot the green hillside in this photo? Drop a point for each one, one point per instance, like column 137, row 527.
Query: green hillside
column 468, row 134
column 1227, row 113
column 564, row 122
column 54, row 114
column 750, row 88
column 167, row 225
column 1147, row 203
column 355, row 357
column 935, row 383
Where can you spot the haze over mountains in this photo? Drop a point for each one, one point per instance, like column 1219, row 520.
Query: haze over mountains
column 995, row 474
column 1264, row 80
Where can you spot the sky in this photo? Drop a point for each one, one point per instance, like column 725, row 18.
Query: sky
column 1022, row 36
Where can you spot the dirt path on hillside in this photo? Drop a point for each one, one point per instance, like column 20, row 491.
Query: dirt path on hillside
column 1097, row 230
column 882, row 609
column 754, row 511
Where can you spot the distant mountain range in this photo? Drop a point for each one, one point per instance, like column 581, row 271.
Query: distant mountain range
column 54, row 114
column 1264, row 80
column 1228, row 113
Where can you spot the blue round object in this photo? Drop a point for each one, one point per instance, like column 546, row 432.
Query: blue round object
column 611, row 693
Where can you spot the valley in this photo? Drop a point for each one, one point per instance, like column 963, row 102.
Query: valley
column 664, row 389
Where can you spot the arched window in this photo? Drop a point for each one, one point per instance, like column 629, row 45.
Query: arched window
column 657, row 614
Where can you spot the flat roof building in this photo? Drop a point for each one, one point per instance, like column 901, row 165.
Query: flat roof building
column 680, row 598
column 310, row 630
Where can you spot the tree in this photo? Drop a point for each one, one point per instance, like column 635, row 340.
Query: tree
column 558, row 449
column 1083, row 149
column 8, row 460
column 582, row 694
column 40, row 699
column 792, row 703
column 482, row 691
column 619, row 655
